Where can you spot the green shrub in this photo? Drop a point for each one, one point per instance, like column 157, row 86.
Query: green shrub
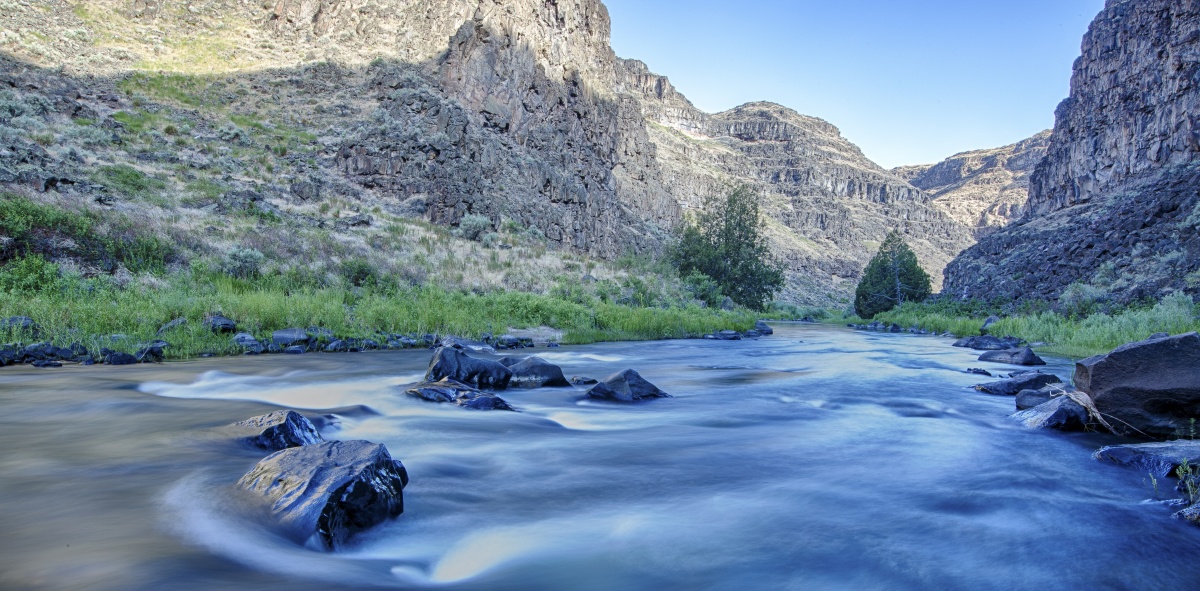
column 28, row 274
column 703, row 288
column 127, row 180
column 243, row 263
column 727, row 245
column 473, row 226
column 359, row 273
column 1080, row 300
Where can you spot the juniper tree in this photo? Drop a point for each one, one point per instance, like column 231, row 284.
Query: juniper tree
column 891, row 278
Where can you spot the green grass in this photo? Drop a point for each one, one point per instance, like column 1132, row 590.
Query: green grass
column 184, row 89
column 129, row 181
column 1074, row 337
column 89, row 310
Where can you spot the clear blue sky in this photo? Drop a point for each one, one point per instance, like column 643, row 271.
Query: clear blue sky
column 911, row 82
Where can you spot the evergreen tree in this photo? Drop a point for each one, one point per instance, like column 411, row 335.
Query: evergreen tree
column 726, row 244
column 891, row 278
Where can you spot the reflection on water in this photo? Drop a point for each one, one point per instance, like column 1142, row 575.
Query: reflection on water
column 816, row 458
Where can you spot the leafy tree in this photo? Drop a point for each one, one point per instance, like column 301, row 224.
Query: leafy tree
column 726, row 243
column 891, row 278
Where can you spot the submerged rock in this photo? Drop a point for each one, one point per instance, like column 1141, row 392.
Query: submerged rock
column 1022, row 356
column 625, row 386
column 458, row 393
column 584, row 381
column 327, row 492
column 535, row 372
column 448, row 362
column 1158, row 458
column 467, row 345
column 988, row 343
column 1060, row 413
column 1032, row 380
column 1151, row 387
column 278, row 430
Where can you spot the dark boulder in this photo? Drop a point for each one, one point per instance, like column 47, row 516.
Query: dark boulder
column 584, row 381
column 1012, row 386
column 328, row 492
column 752, row 334
column 535, row 372
column 46, row 363
column 120, row 359
column 1022, row 356
column 295, row 350
column 728, row 335
column 763, row 328
column 625, row 386
column 467, row 345
column 338, row 346
column 448, row 362
column 988, row 324
column 988, row 343
column 979, row 372
column 1158, row 458
column 1151, row 387
column 248, row 343
column 220, row 324
column 455, row 392
column 150, row 353
column 290, row 336
column 1034, row 397
column 1060, row 413
column 278, row 430
column 21, row 325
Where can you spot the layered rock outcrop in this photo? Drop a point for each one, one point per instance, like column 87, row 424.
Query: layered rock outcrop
column 984, row 190
column 1116, row 201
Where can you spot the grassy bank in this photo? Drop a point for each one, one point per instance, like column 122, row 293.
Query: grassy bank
column 1070, row 336
column 90, row 311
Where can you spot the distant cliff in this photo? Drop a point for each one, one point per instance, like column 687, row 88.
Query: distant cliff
column 1116, row 202
column 982, row 189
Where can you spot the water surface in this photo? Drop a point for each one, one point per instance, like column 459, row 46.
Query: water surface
column 819, row 458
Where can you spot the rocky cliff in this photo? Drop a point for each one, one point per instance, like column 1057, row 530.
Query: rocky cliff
column 1115, row 202
column 981, row 189
column 517, row 111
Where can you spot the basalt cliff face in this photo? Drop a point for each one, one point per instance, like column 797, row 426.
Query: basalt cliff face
column 982, row 189
column 1115, row 202
column 518, row 111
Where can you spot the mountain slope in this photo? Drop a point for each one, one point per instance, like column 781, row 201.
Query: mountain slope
column 1116, row 202
column 981, row 189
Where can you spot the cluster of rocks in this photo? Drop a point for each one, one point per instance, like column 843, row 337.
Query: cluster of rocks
column 1008, row 350
column 878, row 326
column 761, row 329
column 454, row 377
column 321, row 492
column 48, row 354
column 1148, row 389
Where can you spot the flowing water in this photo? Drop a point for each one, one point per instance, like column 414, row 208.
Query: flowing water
column 819, row 458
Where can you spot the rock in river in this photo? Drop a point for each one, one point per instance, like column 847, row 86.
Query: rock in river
column 988, row 343
column 448, row 362
column 327, row 492
column 1158, row 458
column 1021, row 356
column 455, row 392
column 625, row 386
column 535, row 372
column 1060, row 413
column 1151, row 387
column 278, row 430
column 1031, row 380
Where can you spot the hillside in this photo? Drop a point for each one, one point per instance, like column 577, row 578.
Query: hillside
column 981, row 189
column 342, row 118
column 1114, row 208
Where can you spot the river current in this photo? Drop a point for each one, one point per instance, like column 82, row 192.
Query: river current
column 817, row 458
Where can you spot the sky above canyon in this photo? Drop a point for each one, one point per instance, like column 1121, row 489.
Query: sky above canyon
column 909, row 82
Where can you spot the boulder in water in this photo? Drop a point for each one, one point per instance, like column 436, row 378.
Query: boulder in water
column 1012, row 386
column 1021, row 356
column 1157, row 458
column 763, row 328
column 1060, row 413
column 327, row 492
column 448, row 362
column 535, row 372
column 625, row 386
column 1151, row 387
column 455, row 392
column 988, row 343
column 278, row 430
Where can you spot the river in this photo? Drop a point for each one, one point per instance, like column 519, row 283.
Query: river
column 817, row 458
